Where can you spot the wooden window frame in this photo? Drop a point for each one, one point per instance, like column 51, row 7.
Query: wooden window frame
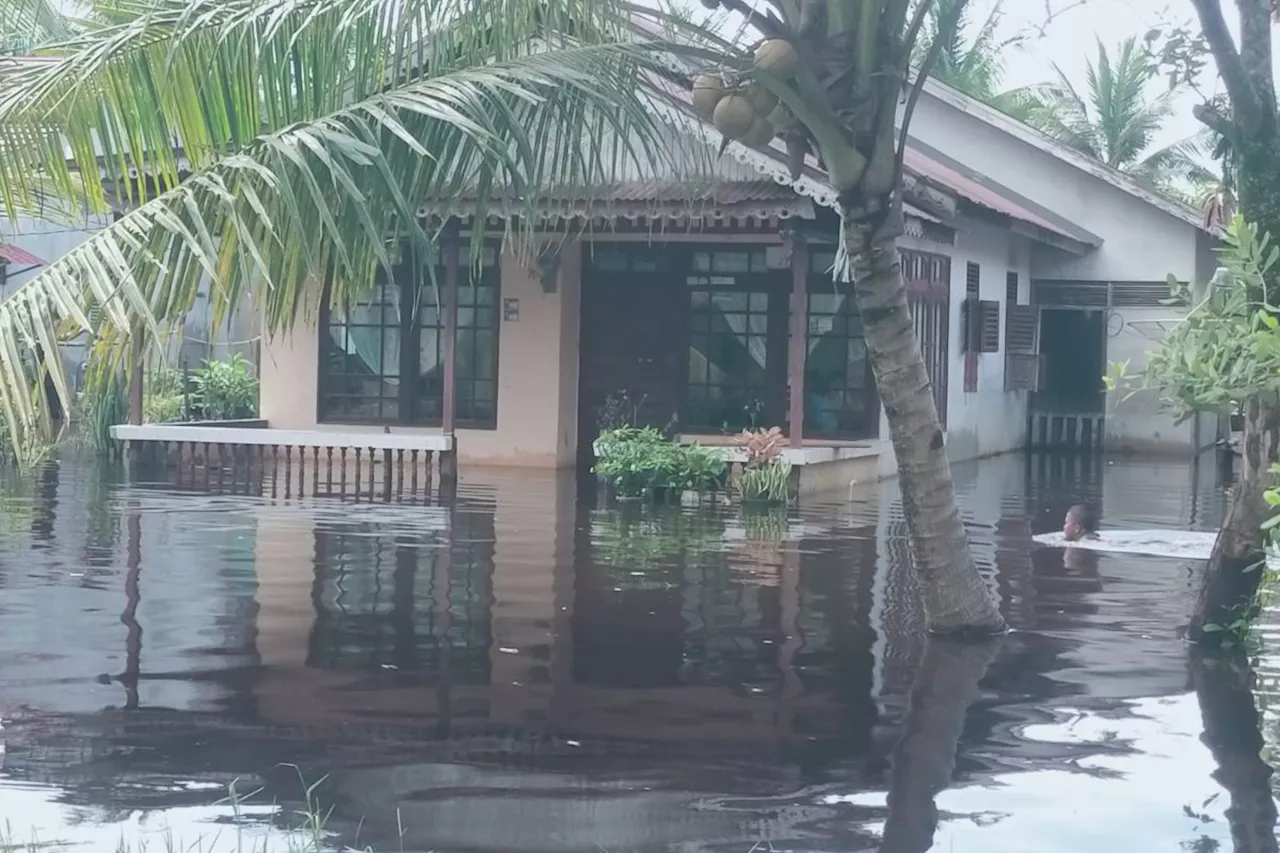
column 411, row 328
column 820, row 282
column 776, row 284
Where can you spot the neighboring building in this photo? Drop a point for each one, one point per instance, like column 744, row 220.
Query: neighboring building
column 27, row 244
column 1028, row 269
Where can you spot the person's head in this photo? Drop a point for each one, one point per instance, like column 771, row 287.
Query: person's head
column 1079, row 523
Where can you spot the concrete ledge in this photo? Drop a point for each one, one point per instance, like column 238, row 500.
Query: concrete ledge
column 205, row 434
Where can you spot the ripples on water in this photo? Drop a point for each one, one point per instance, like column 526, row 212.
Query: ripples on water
column 520, row 671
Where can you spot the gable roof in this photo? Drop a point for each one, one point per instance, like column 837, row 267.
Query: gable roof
column 1025, row 133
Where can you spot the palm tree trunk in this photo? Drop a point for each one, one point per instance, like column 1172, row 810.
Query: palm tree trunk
column 1230, row 717
column 944, row 687
column 1229, row 586
column 957, row 600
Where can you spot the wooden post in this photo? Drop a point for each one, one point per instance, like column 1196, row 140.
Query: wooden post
column 448, row 458
column 799, row 348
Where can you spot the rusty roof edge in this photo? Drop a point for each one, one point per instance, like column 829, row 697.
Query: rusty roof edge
column 1064, row 226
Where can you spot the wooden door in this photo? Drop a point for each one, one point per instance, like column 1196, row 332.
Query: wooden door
column 631, row 345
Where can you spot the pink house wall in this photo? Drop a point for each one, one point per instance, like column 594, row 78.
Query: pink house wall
column 537, row 375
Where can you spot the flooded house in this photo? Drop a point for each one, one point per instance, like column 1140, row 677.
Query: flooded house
column 711, row 307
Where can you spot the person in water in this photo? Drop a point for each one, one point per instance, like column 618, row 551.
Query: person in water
column 1080, row 523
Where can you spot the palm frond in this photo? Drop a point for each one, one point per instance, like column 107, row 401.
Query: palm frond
column 25, row 23
column 276, row 149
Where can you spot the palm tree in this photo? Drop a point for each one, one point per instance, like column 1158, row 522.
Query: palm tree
column 26, row 23
column 974, row 65
column 276, row 148
column 1116, row 121
column 278, row 143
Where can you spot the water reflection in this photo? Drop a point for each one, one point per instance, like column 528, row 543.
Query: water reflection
column 513, row 668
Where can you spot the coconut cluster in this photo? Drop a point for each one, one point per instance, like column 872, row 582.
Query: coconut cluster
column 748, row 112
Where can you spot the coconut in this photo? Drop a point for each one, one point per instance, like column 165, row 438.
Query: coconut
column 734, row 116
column 760, row 134
column 762, row 100
column 778, row 57
column 708, row 89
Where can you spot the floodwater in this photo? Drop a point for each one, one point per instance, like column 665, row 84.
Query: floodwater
column 518, row 670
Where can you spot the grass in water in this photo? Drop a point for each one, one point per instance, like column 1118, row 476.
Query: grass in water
column 308, row 833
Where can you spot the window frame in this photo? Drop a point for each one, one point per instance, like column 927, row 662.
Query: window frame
column 774, row 283
column 411, row 328
column 820, row 278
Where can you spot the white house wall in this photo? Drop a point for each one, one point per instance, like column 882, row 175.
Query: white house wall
column 990, row 420
column 1140, row 241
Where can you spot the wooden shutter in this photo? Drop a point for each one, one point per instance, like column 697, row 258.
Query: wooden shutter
column 1023, row 366
column 988, row 325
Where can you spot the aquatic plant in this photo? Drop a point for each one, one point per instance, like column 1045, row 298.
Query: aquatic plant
column 103, row 404
column 769, row 483
column 638, row 462
column 765, row 477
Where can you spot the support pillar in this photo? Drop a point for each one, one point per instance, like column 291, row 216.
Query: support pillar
column 449, row 458
column 799, row 348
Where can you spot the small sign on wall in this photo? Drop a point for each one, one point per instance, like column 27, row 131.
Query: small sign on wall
column 510, row 310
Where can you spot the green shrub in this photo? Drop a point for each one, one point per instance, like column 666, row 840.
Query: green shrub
column 163, row 408
column 642, row 461
column 226, row 390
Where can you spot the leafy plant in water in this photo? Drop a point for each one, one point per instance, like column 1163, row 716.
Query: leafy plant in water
column 765, row 477
column 768, row 483
column 643, row 461
column 226, row 390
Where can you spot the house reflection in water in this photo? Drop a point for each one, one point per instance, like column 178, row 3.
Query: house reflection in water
column 516, row 670
column 559, row 683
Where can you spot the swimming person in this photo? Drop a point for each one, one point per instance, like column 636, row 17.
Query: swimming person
column 1080, row 523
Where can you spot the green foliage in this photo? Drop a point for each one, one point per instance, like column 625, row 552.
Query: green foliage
column 104, row 403
column 164, row 400
column 226, row 390
column 640, row 462
column 1116, row 118
column 28, row 451
column 767, row 483
column 335, row 120
column 1227, row 348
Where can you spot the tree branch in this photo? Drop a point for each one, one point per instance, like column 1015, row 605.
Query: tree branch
column 946, row 28
column 1245, row 101
column 1210, row 117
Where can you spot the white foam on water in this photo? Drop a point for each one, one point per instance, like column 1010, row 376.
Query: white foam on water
column 1177, row 544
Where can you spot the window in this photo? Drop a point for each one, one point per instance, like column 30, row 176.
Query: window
column 1011, row 288
column 840, row 399
column 734, row 342
column 382, row 359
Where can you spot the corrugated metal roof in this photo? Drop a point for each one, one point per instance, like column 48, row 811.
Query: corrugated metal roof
column 649, row 199
column 975, row 191
column 11, row 254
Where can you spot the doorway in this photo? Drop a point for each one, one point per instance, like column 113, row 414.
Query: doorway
column 1073, row 343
